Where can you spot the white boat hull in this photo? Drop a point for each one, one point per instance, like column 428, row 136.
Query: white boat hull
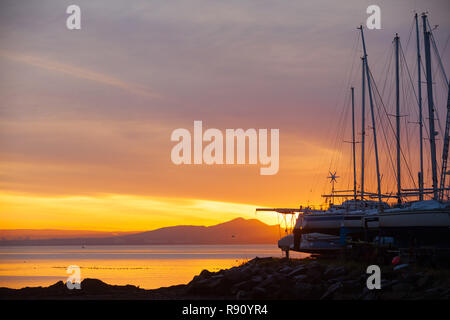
column 414, row 220
column 323, row 223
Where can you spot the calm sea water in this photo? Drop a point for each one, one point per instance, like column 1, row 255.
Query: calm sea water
column 145, row 266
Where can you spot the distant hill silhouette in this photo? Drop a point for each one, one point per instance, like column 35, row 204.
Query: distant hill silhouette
column 236, row 231
column 34, row 234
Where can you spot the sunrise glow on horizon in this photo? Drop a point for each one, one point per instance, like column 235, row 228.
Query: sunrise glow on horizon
column 118, row 212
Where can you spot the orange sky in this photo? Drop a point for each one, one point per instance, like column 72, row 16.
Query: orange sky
column 86, row 116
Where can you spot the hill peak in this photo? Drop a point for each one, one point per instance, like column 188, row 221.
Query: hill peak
column 240, row 222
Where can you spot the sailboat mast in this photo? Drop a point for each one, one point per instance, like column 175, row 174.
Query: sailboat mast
column 426, row 35
column 445, row 150
column 369, row 89
column 363, row 124
column 419, row 90
column 397, row 116
column 353, row 142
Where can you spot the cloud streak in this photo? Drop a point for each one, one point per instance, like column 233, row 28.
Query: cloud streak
column 80, row 73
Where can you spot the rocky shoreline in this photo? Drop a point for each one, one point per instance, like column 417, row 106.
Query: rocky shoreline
column 269, row 278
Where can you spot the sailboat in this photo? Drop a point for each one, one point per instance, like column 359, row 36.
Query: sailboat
column 411, row 219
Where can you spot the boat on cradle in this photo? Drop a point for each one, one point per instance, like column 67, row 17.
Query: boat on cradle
column 425, row 222
column 417, row 216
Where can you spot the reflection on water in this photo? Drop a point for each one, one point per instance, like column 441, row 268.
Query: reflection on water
column 145, row 266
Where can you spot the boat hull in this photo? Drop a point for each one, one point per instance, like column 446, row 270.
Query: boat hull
column 333, row 224
column 318, row 243
column 422, row 227
column 327, row 224
column 424, row 219
column 415, row 225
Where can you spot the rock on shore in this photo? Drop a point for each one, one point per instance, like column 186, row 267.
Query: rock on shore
column 267, row 278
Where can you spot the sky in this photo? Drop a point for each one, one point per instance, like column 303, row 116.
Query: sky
column 86, row 115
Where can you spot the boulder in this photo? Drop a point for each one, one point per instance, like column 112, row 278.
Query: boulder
column 285, row 269
column 57, row 288
column 331, row 290
column 95, row 286
column 257, row 279
column 300, row 277
column 268, row 282
column 242, row 295
column 316, row 265
column 246, row 285
column 235, row 275
column 432, row 293
column 334, row 272
column 217, row 286
column 297, row 271
column 205, row 274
